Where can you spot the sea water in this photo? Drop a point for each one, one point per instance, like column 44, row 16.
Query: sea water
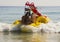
column 8, row 14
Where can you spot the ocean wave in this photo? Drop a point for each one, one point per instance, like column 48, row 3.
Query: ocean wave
column 49, row 27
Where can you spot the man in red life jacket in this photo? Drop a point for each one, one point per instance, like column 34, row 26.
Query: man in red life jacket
column 26, row 19
column 28, row 9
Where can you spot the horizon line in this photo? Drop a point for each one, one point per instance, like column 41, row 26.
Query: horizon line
column 37, row 6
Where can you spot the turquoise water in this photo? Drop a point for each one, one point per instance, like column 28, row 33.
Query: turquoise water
column 9, row 14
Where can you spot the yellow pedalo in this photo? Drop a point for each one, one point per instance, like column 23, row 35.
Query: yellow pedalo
column 40, row 19
column 33, row 26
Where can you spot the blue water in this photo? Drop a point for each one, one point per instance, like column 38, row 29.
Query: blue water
column 8, row 14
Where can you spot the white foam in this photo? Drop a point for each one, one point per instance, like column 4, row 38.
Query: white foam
column 4, row 26
column 49, row 27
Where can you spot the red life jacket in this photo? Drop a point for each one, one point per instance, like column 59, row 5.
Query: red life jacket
column 34, row 10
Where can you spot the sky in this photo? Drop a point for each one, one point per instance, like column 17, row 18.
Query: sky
column 36, row 2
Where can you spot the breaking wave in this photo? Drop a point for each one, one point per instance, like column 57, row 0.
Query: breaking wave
column 49, row 27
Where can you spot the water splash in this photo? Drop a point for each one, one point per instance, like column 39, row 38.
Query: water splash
column 49, row 27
